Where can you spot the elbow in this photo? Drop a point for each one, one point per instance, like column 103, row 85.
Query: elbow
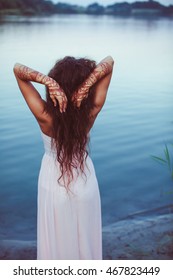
column 110, row 60
column 16, row 68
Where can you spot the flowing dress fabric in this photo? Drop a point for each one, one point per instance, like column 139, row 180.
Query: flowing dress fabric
column 68, row 222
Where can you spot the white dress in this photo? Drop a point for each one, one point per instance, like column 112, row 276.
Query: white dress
column 68, row 223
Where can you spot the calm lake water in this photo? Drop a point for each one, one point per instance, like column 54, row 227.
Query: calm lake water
column 135, row 123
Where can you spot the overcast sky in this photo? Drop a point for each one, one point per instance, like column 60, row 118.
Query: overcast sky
column 105, row 2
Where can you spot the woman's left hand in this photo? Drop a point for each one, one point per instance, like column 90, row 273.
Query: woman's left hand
column 58, row 95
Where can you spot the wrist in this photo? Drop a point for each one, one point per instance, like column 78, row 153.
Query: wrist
column 51, row 84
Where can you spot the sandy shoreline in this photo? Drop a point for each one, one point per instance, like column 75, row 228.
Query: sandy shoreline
column 140, row 239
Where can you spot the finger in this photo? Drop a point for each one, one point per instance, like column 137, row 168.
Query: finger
column 78, row 103
column 60, row 101
column 61, row 107
column 54, row 100
column 65, row 104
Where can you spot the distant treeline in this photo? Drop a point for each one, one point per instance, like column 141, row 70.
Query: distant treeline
column 38, row 7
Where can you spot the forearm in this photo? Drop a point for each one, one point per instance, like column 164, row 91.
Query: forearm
column 102, row 69
column 28, row 74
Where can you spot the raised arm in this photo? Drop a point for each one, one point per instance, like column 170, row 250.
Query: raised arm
column 100, row 76
column 25, row 76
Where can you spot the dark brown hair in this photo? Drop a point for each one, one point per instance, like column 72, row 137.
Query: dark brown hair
column 70, row 129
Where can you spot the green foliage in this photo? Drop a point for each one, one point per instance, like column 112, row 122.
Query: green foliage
column 27, row 6
column 48, row 7
column 167, row 160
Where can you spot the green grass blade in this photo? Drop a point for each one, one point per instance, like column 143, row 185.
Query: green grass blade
column 167, row 156
column 161, row 160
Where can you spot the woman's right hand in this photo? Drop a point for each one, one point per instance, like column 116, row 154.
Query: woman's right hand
column 78, row 96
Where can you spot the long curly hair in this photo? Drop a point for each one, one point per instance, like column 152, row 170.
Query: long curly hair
column 70, row 129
